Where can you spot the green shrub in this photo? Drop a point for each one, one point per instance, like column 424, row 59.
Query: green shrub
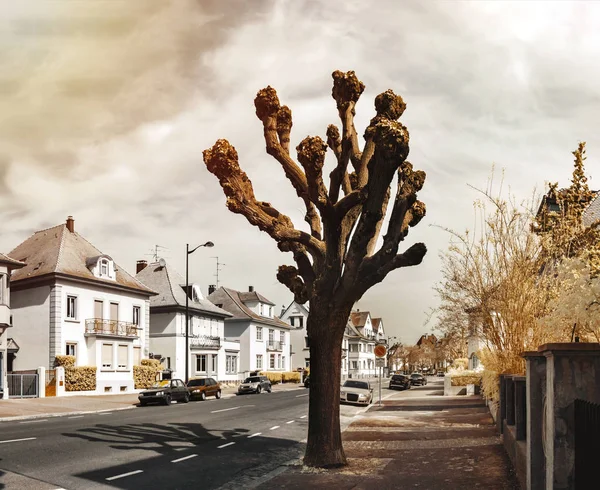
column 290, row 377
column 64, row 361
column 465, row 378
column 145, row 375
column 81, row 378
column 274, row 377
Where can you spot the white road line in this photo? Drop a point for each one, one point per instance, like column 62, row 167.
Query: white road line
column 254, row 435
column 274, row 427
column 33, row 421
column 306, row 394
column 123, row 475
column 76, row 417
column 184, row 458
column 304, row 416
column 105, row 413
column 225, row 410
column 18, row 440
column 225, row 445
column 290, row 422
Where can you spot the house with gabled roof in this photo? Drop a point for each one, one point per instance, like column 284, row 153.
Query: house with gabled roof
column 264, row 338
column 361, row 342
column 7, row 265
column 72, row 299
column 209, row 353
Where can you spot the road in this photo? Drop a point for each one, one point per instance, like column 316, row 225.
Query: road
column 223, row 443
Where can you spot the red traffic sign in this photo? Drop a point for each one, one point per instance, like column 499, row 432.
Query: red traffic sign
column 380, row 350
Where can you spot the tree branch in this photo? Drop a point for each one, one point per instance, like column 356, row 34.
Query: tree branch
column 222, row 161
column 311, row 155
column 288, row 276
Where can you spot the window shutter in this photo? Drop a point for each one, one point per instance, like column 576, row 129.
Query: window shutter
column 107, row 355
column 123, row 352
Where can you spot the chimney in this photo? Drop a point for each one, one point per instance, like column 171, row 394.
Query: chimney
column 250, row 289
column 71, row 224
column 211, row 289
column 141, row 265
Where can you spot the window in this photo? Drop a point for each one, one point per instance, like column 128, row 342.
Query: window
column 72, row 307
column 301, row 321
column 3, row 288
column 354, row 365
column 259, row 363
column 215, row 363
column 107, row 356
column 137, row 356
column 272, row 361
column 231, row 364
column 271, row 336
column 282, row 362
column 123, row 357
column 259, row 333
column 306, row 342
column 307, row 362
column 282, row 337
column 104, row 267
column 136, row 315
column 71, row 349
column 201, row 363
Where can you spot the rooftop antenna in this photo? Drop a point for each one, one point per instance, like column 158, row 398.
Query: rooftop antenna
column 155, row 252
column 219, row 264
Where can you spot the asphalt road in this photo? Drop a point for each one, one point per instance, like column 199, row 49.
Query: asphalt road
column 226, row 443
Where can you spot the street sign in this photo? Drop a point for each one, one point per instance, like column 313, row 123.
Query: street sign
column 380, row 362
column 380, row 350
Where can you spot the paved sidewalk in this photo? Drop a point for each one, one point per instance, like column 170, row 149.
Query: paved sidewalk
column 32, row 408
column 417, row 439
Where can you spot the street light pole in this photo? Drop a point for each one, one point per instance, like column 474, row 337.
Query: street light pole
column 187, row 305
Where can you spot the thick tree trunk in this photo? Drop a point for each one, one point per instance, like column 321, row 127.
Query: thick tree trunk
column 326, row 330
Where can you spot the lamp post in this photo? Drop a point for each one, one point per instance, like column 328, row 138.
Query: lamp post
column 187, row 306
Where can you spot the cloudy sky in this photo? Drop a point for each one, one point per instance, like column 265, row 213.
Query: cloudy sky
column 106, row 106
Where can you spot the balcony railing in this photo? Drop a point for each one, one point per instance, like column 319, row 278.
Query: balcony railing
column 99, row 326
column 205, row 342
column 275, row 346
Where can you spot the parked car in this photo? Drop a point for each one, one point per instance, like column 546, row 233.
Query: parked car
column 200, row 388
column 164, row 392
column 255, row 384
column 417, row 379
column 399, row 381
column 354, row 391
column 307, row 381
column 441, row 374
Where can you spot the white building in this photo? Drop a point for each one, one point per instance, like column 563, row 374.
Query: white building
column 7, row 265
column 361, row 340
column 209, row 353
column 297, row 315
column 264, row 338
column 71, row 299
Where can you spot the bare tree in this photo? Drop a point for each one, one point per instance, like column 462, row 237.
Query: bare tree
column 336, row 262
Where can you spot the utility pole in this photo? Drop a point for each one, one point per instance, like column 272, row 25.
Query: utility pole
column 219, row 264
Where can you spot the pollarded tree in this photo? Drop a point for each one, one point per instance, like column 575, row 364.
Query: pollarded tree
column 336, row 261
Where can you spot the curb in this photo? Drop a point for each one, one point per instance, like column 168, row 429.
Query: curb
column 61, row 414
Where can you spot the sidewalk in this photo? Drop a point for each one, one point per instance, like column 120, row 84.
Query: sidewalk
column 417, row 439
column 32, row 408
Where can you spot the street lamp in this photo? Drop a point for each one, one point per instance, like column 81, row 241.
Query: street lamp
column 187, row 306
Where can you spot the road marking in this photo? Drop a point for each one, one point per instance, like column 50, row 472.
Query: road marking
column 304, row 416
column 274, row 427
column 225, row 410
column 105, row 413
column 33, row 421
column 254, row 435
column 290, row 422
column 76, row 417
column 306, row 394
column 184, row 458
column 18, row 440
column 225, row 445
column 123, row 475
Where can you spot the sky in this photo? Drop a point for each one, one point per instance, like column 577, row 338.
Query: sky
column 107, row 105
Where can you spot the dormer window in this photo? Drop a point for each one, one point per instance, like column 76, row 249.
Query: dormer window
column 104, row 268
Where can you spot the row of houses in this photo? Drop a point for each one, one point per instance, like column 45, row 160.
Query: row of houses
column 60, row 295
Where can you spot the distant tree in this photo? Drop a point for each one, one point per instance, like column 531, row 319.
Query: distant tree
column 336, row 261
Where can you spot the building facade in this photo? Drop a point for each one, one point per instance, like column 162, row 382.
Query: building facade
column 209, row 352
column 7, row 265
column 264, row 338
column 72, row 299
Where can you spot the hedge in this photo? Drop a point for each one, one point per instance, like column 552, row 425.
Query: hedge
column 291, row 377
column 466, row 378
column 144, row 376
column 276, row 377
column 64, row 361
column 81, row 378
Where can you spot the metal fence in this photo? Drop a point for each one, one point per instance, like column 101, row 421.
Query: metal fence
column 22, row 385
column 587, row 444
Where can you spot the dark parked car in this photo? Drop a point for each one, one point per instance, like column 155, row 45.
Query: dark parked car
column 441, row 374
column 200, row 388
column 417, row 379
column 164, row 392
column 307, row 381
column 255, row 384
column 399, row 382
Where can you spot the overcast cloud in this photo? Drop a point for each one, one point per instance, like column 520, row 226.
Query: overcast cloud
column 106, row 106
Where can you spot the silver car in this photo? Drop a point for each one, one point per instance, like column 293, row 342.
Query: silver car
column 255, row 384
column 354, row 391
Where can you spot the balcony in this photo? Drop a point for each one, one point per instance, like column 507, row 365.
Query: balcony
column 275, row 346
column 110, row 328
column 344, row 353
column 205, row 342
